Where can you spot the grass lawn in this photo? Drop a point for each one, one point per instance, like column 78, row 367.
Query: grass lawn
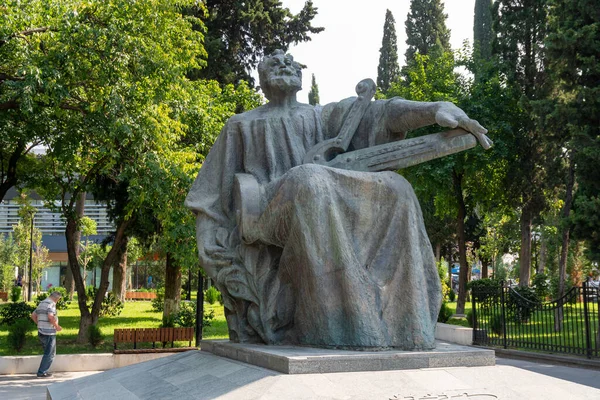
column 136, row 314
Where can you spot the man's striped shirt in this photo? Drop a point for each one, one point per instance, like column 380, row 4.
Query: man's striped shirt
column 44, row 326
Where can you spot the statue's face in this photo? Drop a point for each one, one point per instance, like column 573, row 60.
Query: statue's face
column 280, row 71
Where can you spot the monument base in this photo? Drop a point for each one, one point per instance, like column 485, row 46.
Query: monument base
column 311, row 360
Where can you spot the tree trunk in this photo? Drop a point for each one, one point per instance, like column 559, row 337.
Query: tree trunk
column 566, row 211
column 120, row 271
column 525, row 254
column 438, row 252
column 70, row 276
column 543, row 255
column 485, row 262
column 72, row 236
column 90, row 317
column 462, row 248
column 172, row 287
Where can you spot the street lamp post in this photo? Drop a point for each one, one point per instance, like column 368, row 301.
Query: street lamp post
column 30, row 258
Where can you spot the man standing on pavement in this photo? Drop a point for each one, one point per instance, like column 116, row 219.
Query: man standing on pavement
column 47, row 322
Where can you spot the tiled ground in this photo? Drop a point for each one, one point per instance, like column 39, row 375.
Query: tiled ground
column 198, row 375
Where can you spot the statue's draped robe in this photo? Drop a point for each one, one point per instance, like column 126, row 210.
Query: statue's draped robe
column 342, row 260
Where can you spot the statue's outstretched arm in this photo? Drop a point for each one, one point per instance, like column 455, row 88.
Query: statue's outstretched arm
column 405, row 115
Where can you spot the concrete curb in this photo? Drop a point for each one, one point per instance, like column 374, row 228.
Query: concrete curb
column 11, row 365
column 563, row 360
column 454, row 334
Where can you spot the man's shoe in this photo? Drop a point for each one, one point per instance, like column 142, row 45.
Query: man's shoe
column 45, row 375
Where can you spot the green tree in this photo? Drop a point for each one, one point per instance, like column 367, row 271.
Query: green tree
column 483, row 34
column 519, row 45
column 87, row 249
column 574, row 117
column 9, row 259
column 388, row 70
column 240, row 32
column 426, row 28
column 108, row 77
column 313, row 94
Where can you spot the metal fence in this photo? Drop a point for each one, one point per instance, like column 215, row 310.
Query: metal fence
column 509, row 318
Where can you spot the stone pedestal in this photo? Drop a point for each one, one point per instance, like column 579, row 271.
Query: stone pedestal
column 310, row 360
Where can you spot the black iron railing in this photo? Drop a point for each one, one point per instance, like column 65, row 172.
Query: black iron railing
column 502, row 316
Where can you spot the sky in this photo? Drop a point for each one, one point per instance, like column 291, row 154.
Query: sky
column 347, row 51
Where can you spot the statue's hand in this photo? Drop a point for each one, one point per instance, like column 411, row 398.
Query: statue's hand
column 450, row 116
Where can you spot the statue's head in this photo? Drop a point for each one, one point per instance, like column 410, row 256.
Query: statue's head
column 279, row 72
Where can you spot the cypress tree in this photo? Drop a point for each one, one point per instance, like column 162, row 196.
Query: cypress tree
column 426, row 28
column 388, row 69
column 574, row 69
column 313, row 94
column 482, row 29
column 520, row 28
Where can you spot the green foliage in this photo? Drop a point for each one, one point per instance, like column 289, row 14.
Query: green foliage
column 388, row 70
column 186, row 316
column 168, row 321
column 522, row 302
column 541, row 286
column 443, row 275
column 8, row 260
column 458, row 322
column 95, row 336
column 496, row 324
column 111, row 305
column 211, row 295
column 313, row 94
column 469, row 318
column 426, row 28
column 482, row 29
column 15, row 293
column 445, row 313
column 17, row 334
column 574, row 114
column 451, row 295
column 12, row 312
column 158, row 304
column 485, row 290
column 239, row 32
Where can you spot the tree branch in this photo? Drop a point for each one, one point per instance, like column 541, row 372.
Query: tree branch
column 23, row 34
column 5, row 77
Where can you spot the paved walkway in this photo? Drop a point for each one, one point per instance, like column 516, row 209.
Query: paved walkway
column 30, row 387
column 546, row 377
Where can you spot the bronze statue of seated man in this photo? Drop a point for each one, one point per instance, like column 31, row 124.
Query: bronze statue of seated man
column 308, row 254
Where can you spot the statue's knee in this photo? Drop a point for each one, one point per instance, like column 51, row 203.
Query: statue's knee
column 305, row 178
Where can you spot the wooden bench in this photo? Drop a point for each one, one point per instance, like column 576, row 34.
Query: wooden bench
column 140, row 295
column 4, row 296
column 146, row 335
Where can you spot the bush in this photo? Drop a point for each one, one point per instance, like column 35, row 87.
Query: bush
column 111, row 305
column 10, row 313
column 158, row 304
column 522, row 302
column 95, row 336
column 496, row 324
column 62, row 304
column 541, row 286
column 485, row 290
column 187, row 315
column 469, row 317
column 445, row 313
column 15, row 293
column 17, row 334
column 211, row 295
column 458, row 322
column 451, row 295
